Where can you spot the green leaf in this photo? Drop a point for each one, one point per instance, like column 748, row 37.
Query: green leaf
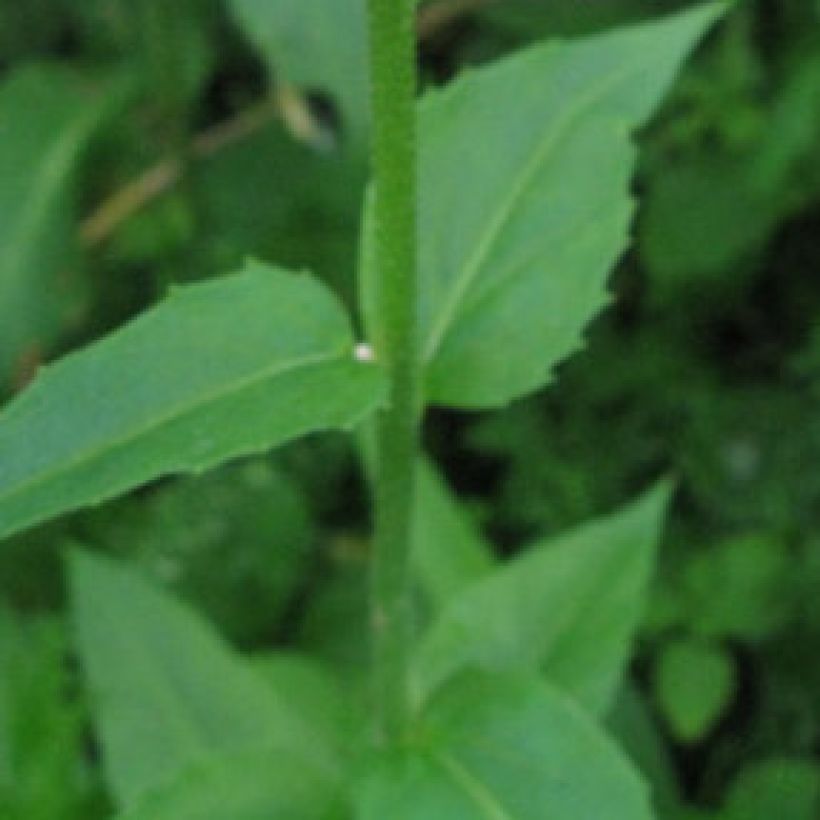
column 568, row 606
column 739, row 588
column 42, row 771
column 633, row 725
column 703, row 216
column 174, row 44
column 694, row 682
column 234, row 543
column 311, row 689
column 780, row 787
column 254, row 787
column 47, row 118
column 447, row 551
column 168, row 693
column 308, row 217
column 218, row 370
column 504, row 749
column 316, row 45
column 524, row 204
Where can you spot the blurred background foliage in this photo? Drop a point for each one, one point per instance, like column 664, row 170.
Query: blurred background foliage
column 144, row 143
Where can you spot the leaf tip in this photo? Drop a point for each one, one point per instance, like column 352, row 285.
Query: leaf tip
column 655, row 502
column 695, row 22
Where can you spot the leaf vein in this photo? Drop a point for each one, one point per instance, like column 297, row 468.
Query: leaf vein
column 474, row 263
column 478, row 793
column 155, row 423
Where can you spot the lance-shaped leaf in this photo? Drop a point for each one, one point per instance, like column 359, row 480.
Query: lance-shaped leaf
column 567, row 606
column 509, row 748
column 168, row 694
column 218, row 370
column 524, row 204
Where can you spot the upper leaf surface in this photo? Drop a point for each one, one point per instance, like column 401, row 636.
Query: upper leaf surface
column 168, row 693
column 568, row 606
column 524, row 204
column 504, row 749
column 218, row 370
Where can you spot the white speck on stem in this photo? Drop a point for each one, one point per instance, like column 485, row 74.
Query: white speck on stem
column 364, row 353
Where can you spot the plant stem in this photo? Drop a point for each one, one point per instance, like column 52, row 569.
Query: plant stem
column 393, row 82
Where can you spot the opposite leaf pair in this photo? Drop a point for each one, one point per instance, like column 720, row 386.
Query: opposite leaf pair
column 524, row 206
column 190, row 730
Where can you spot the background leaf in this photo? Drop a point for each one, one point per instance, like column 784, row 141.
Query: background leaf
column 234, row 543
column 735, row 589
column 703, row 215
column 780, row 787
column 448, row 553
column 316, row 45
column 568, row 606
column 252, row 787
column 47, row 115
column 218, row 370
column 168, row 693
column 524, row 204
column 43, row 774
column 509, row 749
column 632, row 723
column 694, row 682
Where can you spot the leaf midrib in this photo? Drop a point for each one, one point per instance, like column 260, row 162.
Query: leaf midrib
column 474, row 263
column 466, row 781
column 155, row 423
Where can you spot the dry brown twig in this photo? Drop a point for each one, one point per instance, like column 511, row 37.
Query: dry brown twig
column 286, row 103
column 157, row 180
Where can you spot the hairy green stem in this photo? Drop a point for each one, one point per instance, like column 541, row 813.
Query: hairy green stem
column 393, row 83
